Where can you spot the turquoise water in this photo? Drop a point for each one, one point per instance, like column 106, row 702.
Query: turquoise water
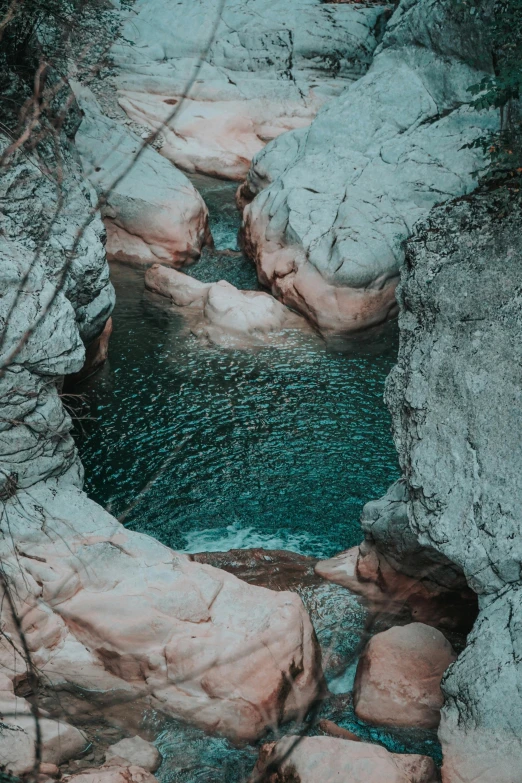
column 208, row 448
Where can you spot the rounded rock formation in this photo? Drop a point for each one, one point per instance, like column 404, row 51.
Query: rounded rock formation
column 398, row 677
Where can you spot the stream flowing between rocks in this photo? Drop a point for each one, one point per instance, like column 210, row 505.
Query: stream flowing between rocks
column 208, row 448
column 212, row 449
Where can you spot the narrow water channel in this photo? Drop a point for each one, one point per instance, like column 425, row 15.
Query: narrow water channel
column 208, row 448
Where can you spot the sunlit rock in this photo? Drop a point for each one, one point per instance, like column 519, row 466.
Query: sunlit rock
column 267, row 71
column 334, row 202
column 224, row 315
column 330, row 760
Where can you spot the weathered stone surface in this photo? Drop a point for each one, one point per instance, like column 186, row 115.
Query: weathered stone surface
column 136, row 752
column 268, row 70
column 124, row 618
column 329, row 760
column 109, row 615
column 222, row 314
column 113, row 774
column 59, row 741
column 335, row 201
column 153, row 213
column 399, row 577
column 455, row 398
column 399, row 674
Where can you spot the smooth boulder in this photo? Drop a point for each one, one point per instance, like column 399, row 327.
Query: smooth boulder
column 222, row 314
column 152, row 212
column 332, row 760
column 398, row 677
column 135, row 751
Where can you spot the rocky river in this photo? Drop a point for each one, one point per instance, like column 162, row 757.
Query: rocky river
column 261, row 390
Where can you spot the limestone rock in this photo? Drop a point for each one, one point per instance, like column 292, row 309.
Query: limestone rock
column 335, row 201
column 223, row 314
column 125, row 619
column 113, row 774
column 329, row 760
column 136, row 752
column 267, row 71
column 399, row 674
column 455, row 398
column 154, row 213
column 60, row 742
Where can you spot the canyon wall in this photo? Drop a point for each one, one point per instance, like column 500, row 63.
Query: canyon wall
column 335, row 201
column 456, row 403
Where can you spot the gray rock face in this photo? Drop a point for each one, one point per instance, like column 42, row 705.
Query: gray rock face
column 334, row 202
column 456, row 402
column 152, row 212
column 270, row 67
column 45, row 330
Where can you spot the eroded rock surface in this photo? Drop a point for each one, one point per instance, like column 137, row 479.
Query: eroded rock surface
column 335, row 201
column 455, row 398
column 112, row 618
column 399, row 674
column 222, row 314
column 268, row 70
column 152, row 212
column 329, row 759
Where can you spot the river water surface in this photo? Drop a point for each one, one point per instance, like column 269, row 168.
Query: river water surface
column 209, row 448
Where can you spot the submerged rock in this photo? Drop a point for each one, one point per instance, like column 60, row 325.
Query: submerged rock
column 398, row 677
column 334, row 202
column 330, row 760
column 224, row 314
column 268, row 70
column 152, row 212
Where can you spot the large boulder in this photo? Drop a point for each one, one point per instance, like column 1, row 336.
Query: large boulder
column 130, row 622
column 269, row 68
column 152, row 212
column 135, row 751
column 334, row 202
column 222, row 314
column 398, row 677
column 330, row 760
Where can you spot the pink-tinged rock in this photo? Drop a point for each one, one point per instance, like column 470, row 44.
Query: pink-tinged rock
column 399, row 674
column 59, row 741
column 113, row 774
column 222, row 314
column 287, row 271
column 364, row 570
column 137, row 752
column 95, row 355
column 134, row 624
column 268, row 71
column 152, row 212
column 333, row 760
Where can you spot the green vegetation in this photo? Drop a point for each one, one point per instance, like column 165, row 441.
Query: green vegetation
column 503, row 89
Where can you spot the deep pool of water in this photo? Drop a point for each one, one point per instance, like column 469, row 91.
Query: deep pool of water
column 208, row 448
